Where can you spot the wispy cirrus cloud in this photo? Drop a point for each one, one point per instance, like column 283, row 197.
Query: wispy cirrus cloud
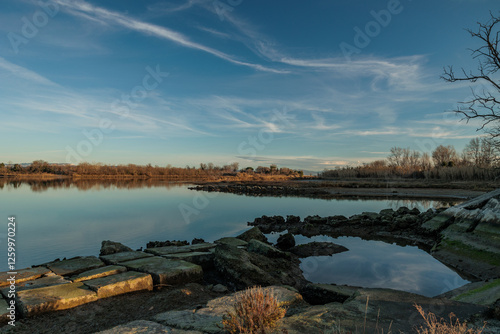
column 23, row 73
column 112, row 17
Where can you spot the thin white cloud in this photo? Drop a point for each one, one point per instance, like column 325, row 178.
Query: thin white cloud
column 24, row 73
column 157, row 31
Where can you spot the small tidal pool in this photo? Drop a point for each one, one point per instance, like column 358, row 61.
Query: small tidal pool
column 377, row 264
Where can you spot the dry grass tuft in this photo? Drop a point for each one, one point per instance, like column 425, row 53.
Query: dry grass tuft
column 440, row 326
column 256, row 311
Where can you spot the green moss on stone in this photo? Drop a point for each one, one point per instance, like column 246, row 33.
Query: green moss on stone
column 459, row 248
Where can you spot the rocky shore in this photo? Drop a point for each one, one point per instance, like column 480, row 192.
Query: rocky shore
column 331, row 190
column 210, row 276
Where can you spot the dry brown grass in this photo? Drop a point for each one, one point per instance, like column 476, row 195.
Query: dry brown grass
column 433, row 325
column 256, row 311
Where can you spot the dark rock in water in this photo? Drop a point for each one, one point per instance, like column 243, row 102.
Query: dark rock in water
column 167, row 243
column 292, row 219
column 317, row 249
column 285, row 241
column 197, row 241
column 253, row 233
column 244, row 269
column 110, row 247
column 315, row 220
column 403, row 210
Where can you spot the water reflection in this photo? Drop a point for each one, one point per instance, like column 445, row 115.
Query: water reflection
column 67, row 218
column 423, row 203
column 378, row 264
column 87, row 184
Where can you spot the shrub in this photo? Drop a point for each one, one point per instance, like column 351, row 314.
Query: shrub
column 440, row 326
column 256, row 311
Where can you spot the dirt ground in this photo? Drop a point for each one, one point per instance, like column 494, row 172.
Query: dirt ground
column 106, row 313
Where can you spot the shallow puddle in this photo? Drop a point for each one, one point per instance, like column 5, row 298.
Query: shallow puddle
column 376, row 264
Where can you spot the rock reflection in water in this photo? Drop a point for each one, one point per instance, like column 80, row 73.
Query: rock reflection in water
column 377, row 264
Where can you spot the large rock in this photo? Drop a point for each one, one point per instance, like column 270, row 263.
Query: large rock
column 124, row 257
column 208, row 319
column 75, row 265
column 380, row 309
column 161, row 251
column 165, row 271
column 470, row 238
column 118, row 284
column 22, row 275
column 253, row 233
column 479, row 293
column 231, row 242
column 145, row 327
column 54, row 298
column 204, row 259
column 262, row 248
column 243, row 269
column 111, row 247
column 316, row 248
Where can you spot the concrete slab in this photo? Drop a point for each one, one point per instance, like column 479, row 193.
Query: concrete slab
column 145, row 327
column 23, row 275
column 204, row 259
column 99, row 272
column 41, row 282
column 165, row 271
column 203, row 247
column 120, row 283
column 54, row 298
column 123, row 257
column 75, row 265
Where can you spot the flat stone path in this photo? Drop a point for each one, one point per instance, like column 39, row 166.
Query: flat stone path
column 65, row 284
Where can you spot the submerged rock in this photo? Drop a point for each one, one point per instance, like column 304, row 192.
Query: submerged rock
column 316, row 248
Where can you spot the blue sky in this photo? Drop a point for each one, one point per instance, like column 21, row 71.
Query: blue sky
column 307, row 85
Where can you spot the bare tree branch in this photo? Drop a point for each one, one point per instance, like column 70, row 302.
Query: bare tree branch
column 484, row 105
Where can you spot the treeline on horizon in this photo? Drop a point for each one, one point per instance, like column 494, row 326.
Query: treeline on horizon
column 479, row 161
column 85, row 169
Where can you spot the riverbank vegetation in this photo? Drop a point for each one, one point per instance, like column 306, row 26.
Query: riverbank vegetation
column 43, row 169
column 479, row 161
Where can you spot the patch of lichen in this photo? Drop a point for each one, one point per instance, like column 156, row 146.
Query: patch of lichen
column 467, row 251
column 483, row 288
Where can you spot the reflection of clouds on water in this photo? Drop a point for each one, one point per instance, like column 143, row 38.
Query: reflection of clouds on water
column 377, row 264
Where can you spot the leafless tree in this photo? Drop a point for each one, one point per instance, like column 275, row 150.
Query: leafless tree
column 445, row 156
column 485, row 103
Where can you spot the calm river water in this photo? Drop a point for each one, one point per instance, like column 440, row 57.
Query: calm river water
column 67, row 219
